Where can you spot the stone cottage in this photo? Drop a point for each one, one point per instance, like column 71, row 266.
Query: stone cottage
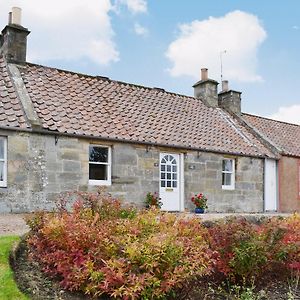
column 63, row 131
column 285, row 138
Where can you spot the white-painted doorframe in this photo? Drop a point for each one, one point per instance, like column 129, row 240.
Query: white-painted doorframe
column 270, row 185
column 168, row 194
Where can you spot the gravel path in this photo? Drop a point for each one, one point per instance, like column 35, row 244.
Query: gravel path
column 13, row 224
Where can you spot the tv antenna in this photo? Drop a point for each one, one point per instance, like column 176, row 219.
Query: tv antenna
column 221, row 61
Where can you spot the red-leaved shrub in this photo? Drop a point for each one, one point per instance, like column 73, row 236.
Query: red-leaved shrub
column 103, row 248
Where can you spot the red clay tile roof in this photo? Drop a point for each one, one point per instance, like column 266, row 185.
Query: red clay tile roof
column 283, row 135
column 72, row 103
column 11, row 111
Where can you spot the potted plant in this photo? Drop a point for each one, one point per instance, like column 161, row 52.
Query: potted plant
column 153, row 200
column 201, row 203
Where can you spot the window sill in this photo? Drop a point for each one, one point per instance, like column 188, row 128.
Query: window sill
column 100, row 182
column 228, row 187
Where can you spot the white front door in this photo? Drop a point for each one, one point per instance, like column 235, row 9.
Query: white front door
column 170, row 181
column 270, row 185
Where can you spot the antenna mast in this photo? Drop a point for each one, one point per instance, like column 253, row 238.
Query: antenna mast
column 221, row 61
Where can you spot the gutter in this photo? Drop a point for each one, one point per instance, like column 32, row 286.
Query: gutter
column 107, row 139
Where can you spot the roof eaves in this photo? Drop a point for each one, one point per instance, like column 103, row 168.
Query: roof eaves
column 182, row 147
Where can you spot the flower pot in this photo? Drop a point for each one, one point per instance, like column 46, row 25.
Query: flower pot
column 199, row 210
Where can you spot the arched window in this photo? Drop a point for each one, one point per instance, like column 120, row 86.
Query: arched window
column 168, row 172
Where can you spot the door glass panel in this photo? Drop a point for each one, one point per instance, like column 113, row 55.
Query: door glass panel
column 168, row 172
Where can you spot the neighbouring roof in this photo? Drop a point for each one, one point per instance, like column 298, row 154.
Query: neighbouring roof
column 11, row 111
column 94, row 106
column 284, row 136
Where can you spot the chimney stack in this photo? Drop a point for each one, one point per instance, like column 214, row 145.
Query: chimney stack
column 229, row 99
column 13, row 39
column 206, row 89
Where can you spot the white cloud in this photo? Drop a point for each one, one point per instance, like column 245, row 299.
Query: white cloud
column 68, row 30
column 135, row 6
column 290, row 114
column 200, row 42
column 140, row 30
column 296, row 27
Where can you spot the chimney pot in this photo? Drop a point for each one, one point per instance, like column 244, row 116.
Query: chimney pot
column 204, row 74
column 225, row 86
column 16, row 13
column 9, row 18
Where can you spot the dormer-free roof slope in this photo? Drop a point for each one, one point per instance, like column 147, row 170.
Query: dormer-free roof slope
column 72, row 103
column 284, row 136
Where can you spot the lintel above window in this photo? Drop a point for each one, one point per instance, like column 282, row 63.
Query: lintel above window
column 99, row 165
column 228, row 174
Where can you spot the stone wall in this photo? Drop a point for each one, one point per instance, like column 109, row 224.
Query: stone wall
column 203, row 173
column 40, row 167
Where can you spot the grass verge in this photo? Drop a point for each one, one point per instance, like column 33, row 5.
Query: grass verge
column 8, row 287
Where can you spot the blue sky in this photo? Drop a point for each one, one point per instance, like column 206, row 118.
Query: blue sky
column 166, row 43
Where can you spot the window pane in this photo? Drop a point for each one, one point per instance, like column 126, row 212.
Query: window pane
column 1, row 170
column 175, row 176
column 227, row 165
column 1, row 149
column 169, row 168
column 163, row 176
column 174, row 168
column 226, row 179
column 168, row 175
column 98, row 172
column 163, row 167
column 163, row 183
column 174, row 184
column 98, row 154
column 168, row 183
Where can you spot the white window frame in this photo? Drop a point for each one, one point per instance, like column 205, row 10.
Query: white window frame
column 3, row 183
column 232, row 185
column 108, row 164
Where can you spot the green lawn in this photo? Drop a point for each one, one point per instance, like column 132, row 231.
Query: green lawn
column 8, row 288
